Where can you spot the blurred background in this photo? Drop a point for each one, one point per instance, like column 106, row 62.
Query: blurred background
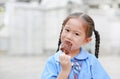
column 29, row 33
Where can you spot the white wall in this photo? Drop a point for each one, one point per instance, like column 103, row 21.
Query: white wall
column 34, row 29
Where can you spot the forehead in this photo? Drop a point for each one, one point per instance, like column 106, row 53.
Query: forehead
column 76, row 24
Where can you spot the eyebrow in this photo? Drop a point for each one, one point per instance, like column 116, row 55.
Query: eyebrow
column 67, row 26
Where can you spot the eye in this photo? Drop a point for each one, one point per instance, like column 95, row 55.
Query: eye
column 77, row 34
column 67, row 30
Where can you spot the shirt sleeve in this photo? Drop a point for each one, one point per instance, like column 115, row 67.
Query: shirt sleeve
column 50, row 69
column 98, row 71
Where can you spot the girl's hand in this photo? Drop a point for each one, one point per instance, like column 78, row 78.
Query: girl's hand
column 65, row 61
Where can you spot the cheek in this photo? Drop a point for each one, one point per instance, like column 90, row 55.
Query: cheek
column 76, row 44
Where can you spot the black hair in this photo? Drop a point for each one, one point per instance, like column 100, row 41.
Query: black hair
column 89, row 31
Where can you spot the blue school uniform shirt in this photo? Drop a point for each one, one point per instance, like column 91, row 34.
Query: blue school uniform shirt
column 90, row 67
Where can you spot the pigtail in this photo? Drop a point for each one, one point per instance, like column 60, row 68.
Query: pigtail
column 59, row 42
column 97, row 43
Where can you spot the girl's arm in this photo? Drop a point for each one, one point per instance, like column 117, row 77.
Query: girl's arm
column 52, row 71
column 66, row 66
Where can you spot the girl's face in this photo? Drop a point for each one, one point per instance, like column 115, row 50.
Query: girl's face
column 75, row 32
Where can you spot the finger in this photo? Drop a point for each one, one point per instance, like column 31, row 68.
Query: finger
column 65, row 58
column 62, row 57
column 69, row 57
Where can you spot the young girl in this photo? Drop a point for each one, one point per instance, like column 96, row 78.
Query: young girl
column 78, row 63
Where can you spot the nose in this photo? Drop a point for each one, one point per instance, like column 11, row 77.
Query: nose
column 69, row 36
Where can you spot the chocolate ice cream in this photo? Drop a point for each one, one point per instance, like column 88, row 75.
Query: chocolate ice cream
column 66, row 47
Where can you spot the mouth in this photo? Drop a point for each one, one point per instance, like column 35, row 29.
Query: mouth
column 66, row 47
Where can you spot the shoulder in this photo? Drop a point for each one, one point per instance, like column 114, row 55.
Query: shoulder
column 88, row 56
column 50, row 59
column 50, row 63
column 92, row 59
column 54, row 57
column 94, row 62
column 51, row 68
column 98, row 72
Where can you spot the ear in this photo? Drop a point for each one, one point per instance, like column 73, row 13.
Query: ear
column 87, row 40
